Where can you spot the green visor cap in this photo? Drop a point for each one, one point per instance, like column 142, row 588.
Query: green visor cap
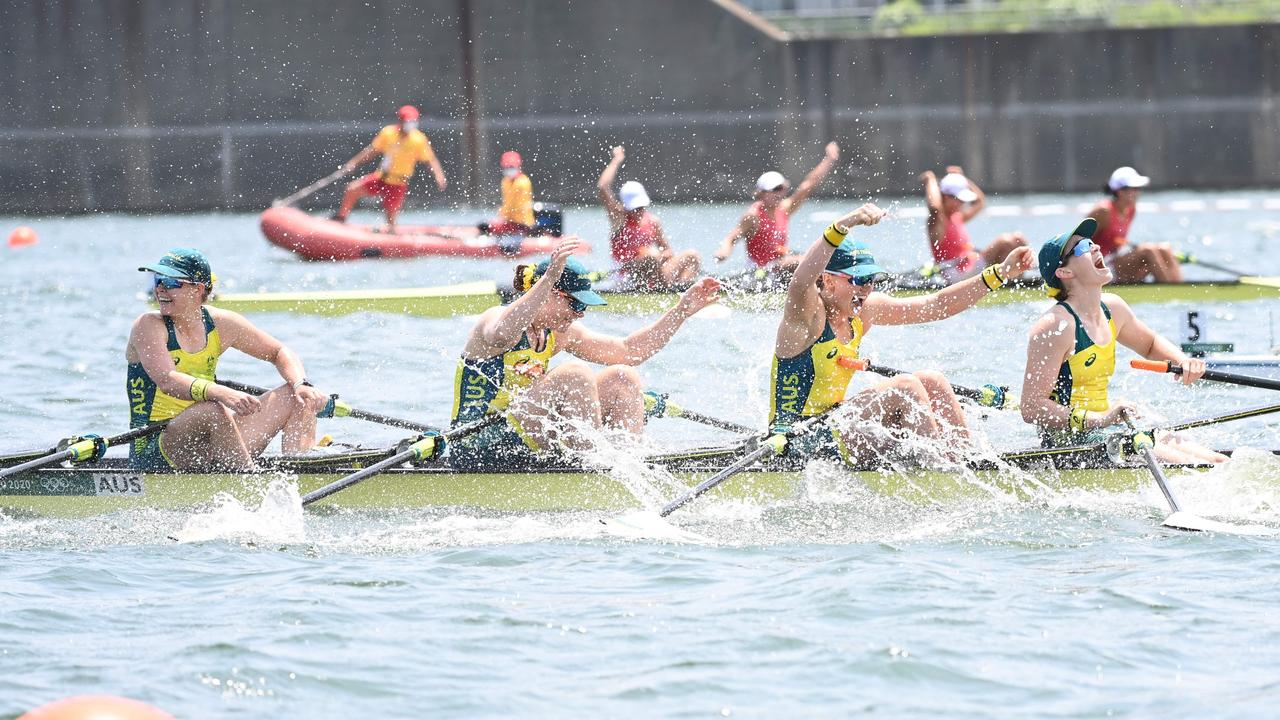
column 184, row 264
column 854, row 258
column 573, row 281
column 1051, row 253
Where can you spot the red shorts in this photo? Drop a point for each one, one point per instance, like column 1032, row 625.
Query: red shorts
column 392, row 195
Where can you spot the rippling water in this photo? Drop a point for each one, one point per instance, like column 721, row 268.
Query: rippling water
column 842, row 601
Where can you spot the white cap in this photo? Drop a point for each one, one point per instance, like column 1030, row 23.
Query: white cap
column 957, row 186
column 633, row 195
column 1127, row 177
column 771, row 180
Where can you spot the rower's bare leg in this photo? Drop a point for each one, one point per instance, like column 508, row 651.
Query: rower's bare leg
column 944, row 403
column 682, row 268
column 280, row 410
column 1173, row 449
column 786, row 265
column 355, row 191
column 205, row 436
column 1168, row 269
column 999, row 249
column 621, row 398
column 898, row 402
column 568, row 392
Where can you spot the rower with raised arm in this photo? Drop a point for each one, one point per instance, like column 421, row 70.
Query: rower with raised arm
column 1130, row 263
column 1071, row 354
column 765, row 224
column 952, row 202
column 505, row 367
column 640, row 247
column 831, row 306
column 173, row 355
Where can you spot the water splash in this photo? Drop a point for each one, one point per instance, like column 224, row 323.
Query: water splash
column 277, row 518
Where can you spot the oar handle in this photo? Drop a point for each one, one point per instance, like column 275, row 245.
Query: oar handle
column 660, row 405
column 1163, row 366
column 992, row 396
column 84, row 448
column 338, row 408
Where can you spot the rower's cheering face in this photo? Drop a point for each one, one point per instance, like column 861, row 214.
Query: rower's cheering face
column 843, row 292
column 1083, row 263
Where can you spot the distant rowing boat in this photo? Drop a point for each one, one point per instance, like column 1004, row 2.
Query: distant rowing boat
column 475, row 297
column 110, row 485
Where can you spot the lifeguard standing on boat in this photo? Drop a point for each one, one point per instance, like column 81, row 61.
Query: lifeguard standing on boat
column 765, row 224
column 402, row 146
column 953, row 201
column 173, row 357
column 644, row 257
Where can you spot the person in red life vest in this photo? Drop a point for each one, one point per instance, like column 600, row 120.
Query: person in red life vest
column 640, row 247
column 954, row 201
column 515, row 217
column 1130, row 263
column 764, row 225
column 402, row 146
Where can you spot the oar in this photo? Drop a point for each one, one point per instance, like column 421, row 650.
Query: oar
column 769, row 447
column 88, row 447
column 659, row 405
column 1163, row 366
column 1180, row 519
column 424, row 447
column 1187, row 258
column 320, row 184
column 338, row 408
column 992, row 396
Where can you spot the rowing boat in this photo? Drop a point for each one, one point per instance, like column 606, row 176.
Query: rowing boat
column 475, row 297
column 110, row 485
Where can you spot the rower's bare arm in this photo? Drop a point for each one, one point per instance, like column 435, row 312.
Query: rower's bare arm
column 660, row 236
column 149, row 345
column 953, row 299
column 604, row 186
column 972, row 209
column 813, row 179
column 934, row 227
column 1050, row 341
column 500, row 328
column 1139, row 337
column 647, row 341
column 237, row 332
column 814, row 261
column 745, row 228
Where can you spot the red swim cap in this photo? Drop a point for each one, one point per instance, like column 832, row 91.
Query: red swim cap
column 408, row 112
column 511, row 158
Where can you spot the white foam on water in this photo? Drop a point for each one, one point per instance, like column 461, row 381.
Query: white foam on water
column 278, row 517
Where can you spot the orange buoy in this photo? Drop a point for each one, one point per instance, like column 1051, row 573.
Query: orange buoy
column 96, row 707
column 22, row 236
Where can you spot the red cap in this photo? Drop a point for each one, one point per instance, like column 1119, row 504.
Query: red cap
column 408, row 112
column 511, row 158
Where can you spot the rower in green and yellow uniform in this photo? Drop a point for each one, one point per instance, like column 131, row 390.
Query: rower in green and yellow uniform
column 173, row 358
column 1071, row 354
column 831, row 306
column 505, row 367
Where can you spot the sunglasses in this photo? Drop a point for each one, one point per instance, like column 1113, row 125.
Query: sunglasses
column 575, row 304
column 859, row 281
column 169, row 282
column 1085, row 245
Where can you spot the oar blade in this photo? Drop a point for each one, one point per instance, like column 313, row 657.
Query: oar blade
column 649, row 525
column 1265, row 281
column 1183, row 520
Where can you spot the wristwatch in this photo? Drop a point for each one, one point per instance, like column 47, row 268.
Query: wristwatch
column 300, row 383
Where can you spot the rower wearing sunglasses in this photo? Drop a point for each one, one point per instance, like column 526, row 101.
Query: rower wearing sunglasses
column 831, row 306
column 1071, row 354
column 173, row 356
column 505, row 367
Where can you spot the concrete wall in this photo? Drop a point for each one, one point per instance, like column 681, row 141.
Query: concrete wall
column 184, row 104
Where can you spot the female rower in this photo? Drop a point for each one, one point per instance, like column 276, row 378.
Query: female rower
column 504, row 367
column 952, row 202
column 1130, row 263
column 173, row 355
column 764, row 225
column 1072, row 351
column 830, row 308
column 640, row 247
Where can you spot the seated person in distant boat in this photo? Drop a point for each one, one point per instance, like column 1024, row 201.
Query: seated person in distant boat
column 831, row 306
column 952, row 202
column 1071, row 355
column 515, row 217
column 173, row 354
column 504, row 367
column 402, row 147
column 1130, row 263
column 640, row 248
column 765, row 224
